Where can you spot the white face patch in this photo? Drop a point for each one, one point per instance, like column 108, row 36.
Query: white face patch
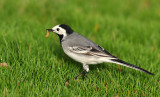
column 59, row 30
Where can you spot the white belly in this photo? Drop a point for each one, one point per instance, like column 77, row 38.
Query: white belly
column 84, row 59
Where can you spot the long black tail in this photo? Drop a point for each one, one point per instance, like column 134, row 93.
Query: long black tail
column 118, row 61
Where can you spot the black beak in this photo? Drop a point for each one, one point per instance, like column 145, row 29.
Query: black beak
column 50, row 30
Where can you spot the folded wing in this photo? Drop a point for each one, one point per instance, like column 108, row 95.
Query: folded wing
column 90, row 51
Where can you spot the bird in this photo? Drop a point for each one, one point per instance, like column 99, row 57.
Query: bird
column 85, row 51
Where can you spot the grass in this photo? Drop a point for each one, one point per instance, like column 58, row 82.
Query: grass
column 129, row 29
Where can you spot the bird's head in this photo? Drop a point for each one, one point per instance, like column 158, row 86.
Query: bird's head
column 61, row 30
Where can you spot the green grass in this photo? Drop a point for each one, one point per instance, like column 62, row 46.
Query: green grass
column 129, row 29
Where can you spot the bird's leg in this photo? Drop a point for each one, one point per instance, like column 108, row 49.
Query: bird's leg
column 79, row 74
column 85, row 75
column 86, row 67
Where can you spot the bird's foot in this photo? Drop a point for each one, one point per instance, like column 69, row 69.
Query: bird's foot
column 85, row 75
column 78, row 75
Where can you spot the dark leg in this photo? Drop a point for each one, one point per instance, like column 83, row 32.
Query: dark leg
column 79, row 74
column 85, row 75
column 76, row 76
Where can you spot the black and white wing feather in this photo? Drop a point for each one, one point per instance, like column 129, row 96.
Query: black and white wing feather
column 90, row 51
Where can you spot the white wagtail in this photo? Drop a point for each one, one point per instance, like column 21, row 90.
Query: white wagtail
column 85, row 51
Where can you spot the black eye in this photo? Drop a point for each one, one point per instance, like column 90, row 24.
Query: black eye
column 57, row 29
